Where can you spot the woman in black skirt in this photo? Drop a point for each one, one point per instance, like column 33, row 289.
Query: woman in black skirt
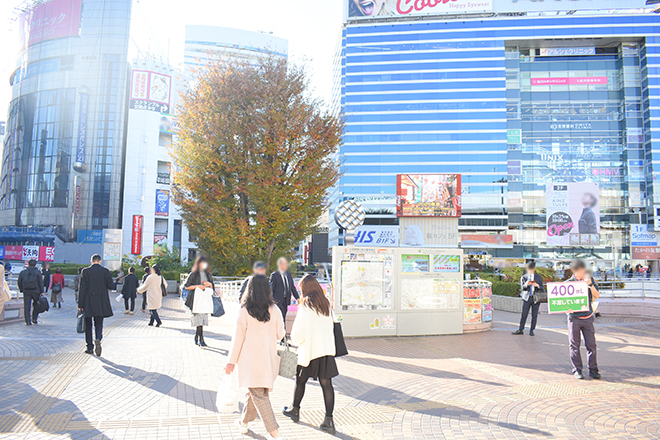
column 313, row 333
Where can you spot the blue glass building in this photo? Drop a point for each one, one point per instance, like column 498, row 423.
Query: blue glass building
column 512, row 101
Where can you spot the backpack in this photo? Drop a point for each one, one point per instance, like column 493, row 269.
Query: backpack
column 31, row 281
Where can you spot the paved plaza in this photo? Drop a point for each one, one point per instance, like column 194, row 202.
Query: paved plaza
column 154, row 383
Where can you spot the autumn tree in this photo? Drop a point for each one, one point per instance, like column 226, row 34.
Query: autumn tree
column 253, row 160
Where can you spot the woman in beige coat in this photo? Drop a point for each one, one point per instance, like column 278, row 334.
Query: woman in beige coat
column 259, row 328
column 154, row 294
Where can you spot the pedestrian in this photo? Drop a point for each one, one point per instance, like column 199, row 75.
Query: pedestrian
column 76, row 284
column 31, row 283
column 147, row 272
column 5, row 294
column 129, row 290
column 120, row 277
column 581, row 324
column 313, row 333
column 259, row 327
column 154, row 292
column 530, row 282
column 7, row 270
column 56, row 286
column 202, row 302
column 45, row 273
column 283, row 286
column 258, row 268
column 94, row 301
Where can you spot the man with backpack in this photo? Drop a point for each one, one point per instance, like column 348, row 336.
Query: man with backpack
column 31, row 284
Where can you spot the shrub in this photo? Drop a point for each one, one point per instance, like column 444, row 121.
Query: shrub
column 505, row 288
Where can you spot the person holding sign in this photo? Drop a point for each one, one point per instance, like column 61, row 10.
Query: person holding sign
column 530, row 282
column 581, row 323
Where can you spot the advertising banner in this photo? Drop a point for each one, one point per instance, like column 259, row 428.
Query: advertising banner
column 77, row 197
column 82, row 130
column 90, row 236
column 570, row 295
column 46, row 253
column 50, row 20
column 573, row 80
column 491, row 241
column 136, row 236
column 486, row 304
column 2, row 252
column 472, row 305
column 567, row 51
column 645, row 252
column 160, row 241
column 150, row 91
column 572, row 214
column 162, row 202
column 30, row 253
column 446, row 263
column 414, row 263
column 377, row 236
column 428, row 195
column 13, row 252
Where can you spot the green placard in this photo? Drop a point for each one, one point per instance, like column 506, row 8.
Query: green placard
column 513, row 136
column 570, row 295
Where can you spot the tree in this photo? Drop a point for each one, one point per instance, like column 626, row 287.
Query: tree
column 253, row 160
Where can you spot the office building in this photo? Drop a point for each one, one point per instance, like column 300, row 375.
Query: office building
column 514, row 96
column 151, row 221
column 205, row 42
column 65, row 134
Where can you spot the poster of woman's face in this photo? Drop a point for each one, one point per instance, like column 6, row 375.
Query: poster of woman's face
column 365, row 8
column 572, row 214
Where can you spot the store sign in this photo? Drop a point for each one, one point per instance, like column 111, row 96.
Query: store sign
column 90, row 236
column 82, row 130
column 567, row 51
column 488, row 241
column 606, row 171
column 136, row 236
column 46, row 253
column 572, row 80
column 77, row 198
column 513, row 136
column 150, row 91
column 635, row 135
column 162, row 202
column 576, row 126
column 567, row 296
column 30, row 253
column 50, row 20
column 641, row 236
column 377, row 236
column 14, row 252
column 645, row 253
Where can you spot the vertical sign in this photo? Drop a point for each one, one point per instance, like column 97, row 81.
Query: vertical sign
column 82, row 132
column 136, row 241
column 162, row 202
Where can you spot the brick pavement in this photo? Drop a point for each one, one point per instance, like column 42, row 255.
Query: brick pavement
column 153, row 383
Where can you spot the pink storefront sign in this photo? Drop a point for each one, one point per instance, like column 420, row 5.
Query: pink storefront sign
column 579, row 80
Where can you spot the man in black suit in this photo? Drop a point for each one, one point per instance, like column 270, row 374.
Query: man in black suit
column 94, row 300
column 530, row 282
column 258, row 268
column 281, row 282
column 31, row 284
column 129, row 290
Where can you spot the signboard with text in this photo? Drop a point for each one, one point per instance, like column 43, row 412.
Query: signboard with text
column 150, row 91
column 162, row 202
column 568, row 296
column 572, row 214
column 136, row 235
column 368, row 235
column 50, row 20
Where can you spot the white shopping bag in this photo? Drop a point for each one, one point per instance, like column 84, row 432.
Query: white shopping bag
column 203, row 302
column 226, row 401
column 119, row 298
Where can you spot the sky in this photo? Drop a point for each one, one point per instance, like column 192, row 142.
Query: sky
column 312, row 27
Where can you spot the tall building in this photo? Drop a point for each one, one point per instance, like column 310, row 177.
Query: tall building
column 203, row 42
column 523, row 99
column 64, row 146
column 150, row 219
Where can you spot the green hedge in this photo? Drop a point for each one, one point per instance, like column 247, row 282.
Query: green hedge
column 506, row 289
column 72, row 269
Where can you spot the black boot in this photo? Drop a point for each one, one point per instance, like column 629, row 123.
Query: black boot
column 293, row 413
column 197, row 336
column 328, row 425
column 201, row 337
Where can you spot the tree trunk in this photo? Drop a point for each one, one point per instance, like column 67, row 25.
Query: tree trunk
column 271, row 248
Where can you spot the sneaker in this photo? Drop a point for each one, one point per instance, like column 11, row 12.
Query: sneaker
column 242, row 427
column 578, row 374
column 518, row 332
column 97, row 349
column 531, row 332
column 130, row 313
column 594, row 374
column 126, row 312
column 89, row 351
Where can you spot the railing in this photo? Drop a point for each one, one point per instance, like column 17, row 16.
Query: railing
column 229, row 289
column 640, row 288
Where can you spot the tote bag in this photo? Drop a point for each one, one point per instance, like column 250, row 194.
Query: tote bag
column 288, row 361
column 340, row 343
column 203, row 302
column 80, row 324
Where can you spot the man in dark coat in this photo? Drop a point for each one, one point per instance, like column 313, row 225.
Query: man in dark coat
column 31, row 284
column 94, row 300
column 281, row 282
column 129, row 289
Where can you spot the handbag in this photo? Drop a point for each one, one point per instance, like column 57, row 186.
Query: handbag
column 288, row 361
column 80, row 325
column 190, row 299
column 163, row 289
column 340, row 343
column 540, row 296
column 218, row 308
column 42, row 304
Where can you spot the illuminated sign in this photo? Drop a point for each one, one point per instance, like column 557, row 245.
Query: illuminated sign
column 567, row 51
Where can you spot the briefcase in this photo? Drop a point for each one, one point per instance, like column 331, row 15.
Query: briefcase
column 42, row 304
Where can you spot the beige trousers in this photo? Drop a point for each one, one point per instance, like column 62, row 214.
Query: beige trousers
column 258, row 402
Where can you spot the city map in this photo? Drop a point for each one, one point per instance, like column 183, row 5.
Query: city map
column 362, row 283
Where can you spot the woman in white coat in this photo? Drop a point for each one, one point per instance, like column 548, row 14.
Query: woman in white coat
column 154, row 294
column 202, row 300
column 313, row 333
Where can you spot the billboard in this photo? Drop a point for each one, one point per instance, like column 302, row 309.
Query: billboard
column 492, row 241
column 50, row 20
column 377, row 236
column 371, row 9
column 162, row 202
column 572, row 214
column 150, row 91
column 428, row 195
column 573, row 80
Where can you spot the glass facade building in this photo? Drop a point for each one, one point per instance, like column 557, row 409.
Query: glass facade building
column 63, row 153
column 512, row 102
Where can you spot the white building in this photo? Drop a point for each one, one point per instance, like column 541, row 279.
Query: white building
column 204, row 42
column 149, row 217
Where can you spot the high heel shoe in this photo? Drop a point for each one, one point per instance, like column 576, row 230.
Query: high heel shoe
column 328, row 425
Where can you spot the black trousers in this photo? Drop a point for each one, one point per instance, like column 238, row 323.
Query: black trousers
column 30, row 300
column 144, row 301
column 132, row 299
column 98, row 330
column 529, row 304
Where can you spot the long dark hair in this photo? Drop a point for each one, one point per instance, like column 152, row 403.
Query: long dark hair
column 259, row 298
column 155, row 269
column 313, row 295
column 200, row 259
